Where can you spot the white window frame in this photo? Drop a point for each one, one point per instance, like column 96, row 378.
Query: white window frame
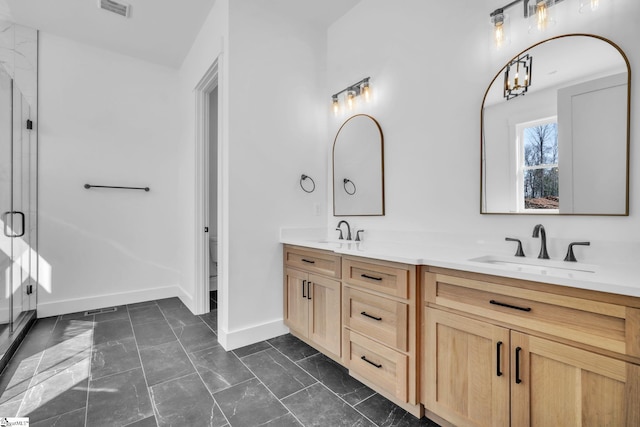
column 521, row 168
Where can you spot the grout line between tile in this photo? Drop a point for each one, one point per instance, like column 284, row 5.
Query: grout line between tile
column 195, row 369
column 323, row 385
column 38, row 365
column 115, row 373
column 268, row 389
column 144, row 374
column 89, row 378
column 257, row 352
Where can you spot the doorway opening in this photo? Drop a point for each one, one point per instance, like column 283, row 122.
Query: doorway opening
column 212, row 191
column 208, row 210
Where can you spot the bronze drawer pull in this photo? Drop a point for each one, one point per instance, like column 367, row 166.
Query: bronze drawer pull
column 308, row 261
column 501, row 304
column 370, row 277
column 364, row 313
column 370, row 362
column 498, row 364
column 518, row 379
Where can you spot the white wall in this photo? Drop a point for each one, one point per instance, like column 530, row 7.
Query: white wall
column 272, row 105
column 430, row 64
column 106, row 119
column 276, row 133
column 589, row 114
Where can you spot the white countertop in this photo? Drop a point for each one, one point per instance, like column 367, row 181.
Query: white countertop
column 458, row 254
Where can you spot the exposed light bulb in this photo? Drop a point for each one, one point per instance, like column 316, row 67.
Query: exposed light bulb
column 589, row 5
column 499, row 28
column 366, row 91
column 542, row 17
column 336, row 105
column 498, row 34
column 351, row 97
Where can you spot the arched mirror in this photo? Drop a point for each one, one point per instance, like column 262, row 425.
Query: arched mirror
column 358, row 168
column 555, row 130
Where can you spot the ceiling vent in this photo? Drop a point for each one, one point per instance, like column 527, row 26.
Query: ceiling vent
column 121, row 9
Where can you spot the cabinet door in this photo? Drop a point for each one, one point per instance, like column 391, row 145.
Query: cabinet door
column 296, row 302
column 466, row 378
column 324, row 315
column 558, row 385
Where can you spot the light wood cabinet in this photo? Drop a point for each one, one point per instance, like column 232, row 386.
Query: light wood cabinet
column 558, row 385
column 466, row 371
column 379, row 312
column 312, row 302
column 516, row 363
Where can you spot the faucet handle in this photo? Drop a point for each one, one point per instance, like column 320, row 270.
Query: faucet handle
column 341, row 237
column 519, row 251
column 358, row 235
column 570, row 256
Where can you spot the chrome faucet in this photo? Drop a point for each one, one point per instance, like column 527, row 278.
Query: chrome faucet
column 538, row 230
column 340, row 229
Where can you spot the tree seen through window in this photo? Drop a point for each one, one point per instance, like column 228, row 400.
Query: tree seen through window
column 540, row 169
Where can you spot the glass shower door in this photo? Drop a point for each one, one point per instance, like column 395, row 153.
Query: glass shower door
column 6, row 245
column 17, row 205
column 23, row 200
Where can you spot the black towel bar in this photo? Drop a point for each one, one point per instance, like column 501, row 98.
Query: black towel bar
column 88, row 186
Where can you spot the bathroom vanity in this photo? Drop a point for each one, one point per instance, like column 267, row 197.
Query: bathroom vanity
column 466, row 343
column 499, row 351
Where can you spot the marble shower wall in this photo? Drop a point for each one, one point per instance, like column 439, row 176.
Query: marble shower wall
column 19, row 58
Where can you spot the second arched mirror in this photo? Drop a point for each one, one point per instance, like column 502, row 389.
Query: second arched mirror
column 358, row 168
column 555, row 130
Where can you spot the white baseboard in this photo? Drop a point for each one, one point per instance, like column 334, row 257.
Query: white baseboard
column 241, row 337
column 55, row 308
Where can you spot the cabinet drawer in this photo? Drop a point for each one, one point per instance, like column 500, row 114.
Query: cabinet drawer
column 377, row 317
column 590, row 322
column 315, row 261
column 388, row 279
column 377, row 363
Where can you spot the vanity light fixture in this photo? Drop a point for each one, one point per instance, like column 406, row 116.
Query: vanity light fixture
column 350, row 93
column 536, row 10
column 518, row 80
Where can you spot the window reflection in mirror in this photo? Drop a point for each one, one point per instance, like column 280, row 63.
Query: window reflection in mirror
column 538, row 165
column 561, row 148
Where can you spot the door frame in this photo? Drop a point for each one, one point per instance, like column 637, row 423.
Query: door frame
column 202, row 91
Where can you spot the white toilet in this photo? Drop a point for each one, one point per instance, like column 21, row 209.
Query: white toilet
column 213, row 264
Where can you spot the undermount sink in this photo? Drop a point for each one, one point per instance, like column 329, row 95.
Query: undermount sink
column 535, row 265
column 332, row 241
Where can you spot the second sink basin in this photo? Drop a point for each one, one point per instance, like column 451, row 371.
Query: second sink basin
column 534, row 265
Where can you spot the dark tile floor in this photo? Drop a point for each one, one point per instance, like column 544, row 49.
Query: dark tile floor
column 156, row 364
